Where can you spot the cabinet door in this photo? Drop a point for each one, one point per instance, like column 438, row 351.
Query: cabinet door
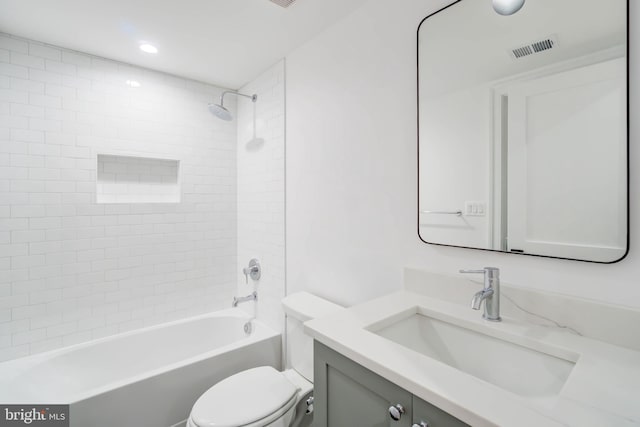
column 560, row 203
column 425, row 414
column 347, row 394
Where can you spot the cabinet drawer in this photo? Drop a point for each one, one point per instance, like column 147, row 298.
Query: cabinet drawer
column 433, row 416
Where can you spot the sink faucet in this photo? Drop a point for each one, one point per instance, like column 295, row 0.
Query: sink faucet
column 490, row 294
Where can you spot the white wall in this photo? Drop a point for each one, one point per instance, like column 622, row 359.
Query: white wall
column 351, row 170
column 456, row 171
column 261, row 193
column 72, row 270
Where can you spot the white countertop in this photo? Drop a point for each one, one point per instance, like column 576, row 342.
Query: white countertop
column 602, row 390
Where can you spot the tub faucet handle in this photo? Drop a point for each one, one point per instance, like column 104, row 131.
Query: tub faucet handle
column 253, row 270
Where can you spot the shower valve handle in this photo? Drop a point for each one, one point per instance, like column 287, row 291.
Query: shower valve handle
column 254, row 270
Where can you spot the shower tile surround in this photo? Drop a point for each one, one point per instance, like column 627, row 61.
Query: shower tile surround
column 71, row 269
column 261, row 189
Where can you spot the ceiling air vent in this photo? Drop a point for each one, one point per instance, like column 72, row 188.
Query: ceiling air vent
column 533, row 48
column 282, row 3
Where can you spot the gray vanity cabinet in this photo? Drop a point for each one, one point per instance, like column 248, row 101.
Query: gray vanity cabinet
column 347, row 394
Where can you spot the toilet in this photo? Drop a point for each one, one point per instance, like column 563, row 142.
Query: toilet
column 263, row 396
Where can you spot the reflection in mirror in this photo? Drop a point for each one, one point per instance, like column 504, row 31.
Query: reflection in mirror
column 523, row 128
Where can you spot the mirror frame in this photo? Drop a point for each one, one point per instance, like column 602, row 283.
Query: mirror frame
column 628, row 126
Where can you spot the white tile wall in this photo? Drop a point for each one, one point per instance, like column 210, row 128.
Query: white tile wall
column 261, row 189
column 72, row 270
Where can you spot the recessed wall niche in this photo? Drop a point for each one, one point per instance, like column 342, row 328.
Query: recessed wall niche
column 130, row 179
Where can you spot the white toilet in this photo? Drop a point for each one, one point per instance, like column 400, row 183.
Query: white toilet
column 263, row 396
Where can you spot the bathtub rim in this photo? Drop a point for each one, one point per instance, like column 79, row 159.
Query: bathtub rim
column 21, row 365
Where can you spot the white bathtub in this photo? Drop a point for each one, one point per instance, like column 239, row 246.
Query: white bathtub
column 149, row 377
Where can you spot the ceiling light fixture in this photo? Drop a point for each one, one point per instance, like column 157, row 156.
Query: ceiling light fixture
column 507, row 7
column 148, row 48
column 133, row 83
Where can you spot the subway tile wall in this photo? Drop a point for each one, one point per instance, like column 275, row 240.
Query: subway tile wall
column 72, row 270
column 261, row 186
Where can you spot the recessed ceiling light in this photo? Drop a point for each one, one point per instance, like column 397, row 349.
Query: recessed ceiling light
column 149, row 48
column 133, row 83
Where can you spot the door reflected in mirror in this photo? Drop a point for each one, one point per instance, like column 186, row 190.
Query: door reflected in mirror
column 523, row 128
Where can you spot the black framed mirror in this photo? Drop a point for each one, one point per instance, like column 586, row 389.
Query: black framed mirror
column 523, row 128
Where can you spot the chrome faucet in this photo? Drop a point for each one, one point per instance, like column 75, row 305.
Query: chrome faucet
column 251, row 297
column 490, row 294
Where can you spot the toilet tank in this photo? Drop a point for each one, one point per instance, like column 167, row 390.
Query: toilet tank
column 298, row 308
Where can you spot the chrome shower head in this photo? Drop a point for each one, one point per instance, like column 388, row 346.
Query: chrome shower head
column 221, row 112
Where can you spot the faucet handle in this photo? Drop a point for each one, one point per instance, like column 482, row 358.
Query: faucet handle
column 484, row 270
column 491, row 276
column 253, row 270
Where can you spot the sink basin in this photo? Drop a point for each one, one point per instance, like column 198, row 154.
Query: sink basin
column 534, row 375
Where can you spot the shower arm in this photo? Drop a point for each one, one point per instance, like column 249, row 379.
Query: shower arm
column 253, row 97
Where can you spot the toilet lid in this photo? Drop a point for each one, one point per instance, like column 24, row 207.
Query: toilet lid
column 243, row 398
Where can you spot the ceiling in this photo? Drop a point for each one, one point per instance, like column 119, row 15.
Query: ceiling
column 451, row 59
column 223, row 42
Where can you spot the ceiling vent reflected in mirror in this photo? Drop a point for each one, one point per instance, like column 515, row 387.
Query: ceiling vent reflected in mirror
column 535, row 47
column 283, row 3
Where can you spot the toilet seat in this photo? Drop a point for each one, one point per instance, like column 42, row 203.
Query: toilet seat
column 251, row 398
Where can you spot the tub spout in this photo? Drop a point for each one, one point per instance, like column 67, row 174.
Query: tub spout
column 251, row 297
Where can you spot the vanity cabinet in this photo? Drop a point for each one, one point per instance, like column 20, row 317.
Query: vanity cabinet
column 348, row 394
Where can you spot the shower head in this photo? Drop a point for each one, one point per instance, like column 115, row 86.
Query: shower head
column 221, row 112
